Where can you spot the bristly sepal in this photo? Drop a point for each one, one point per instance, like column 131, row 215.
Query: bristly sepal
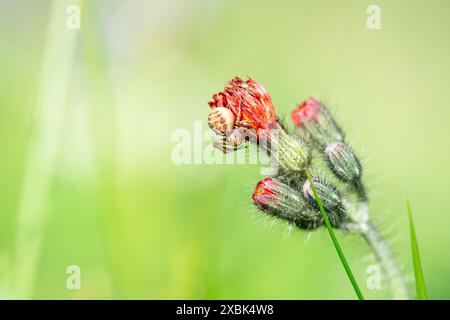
column 289, row 151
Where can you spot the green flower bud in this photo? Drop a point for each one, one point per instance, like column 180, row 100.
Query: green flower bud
column 288, row 151
column 330, row 197
column 343, row 162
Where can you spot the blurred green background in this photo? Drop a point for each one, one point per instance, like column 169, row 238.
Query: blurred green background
column 86, row 119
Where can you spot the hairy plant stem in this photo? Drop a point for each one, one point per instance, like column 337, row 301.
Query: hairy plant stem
column 361, row 224
column 389, row 264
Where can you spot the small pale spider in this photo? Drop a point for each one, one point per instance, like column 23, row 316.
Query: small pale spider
column 233, row 140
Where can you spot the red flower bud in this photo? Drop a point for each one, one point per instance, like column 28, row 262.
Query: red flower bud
column 279, row 200
column 265, row 192
column 316, row 123
column 308, row 110
column 249, row 102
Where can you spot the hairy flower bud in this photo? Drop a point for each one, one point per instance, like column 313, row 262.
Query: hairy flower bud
column 280, row 200
column 310, row 219
column 330, row 197
column 343, row 163
column 290, row 152
column 315, row 122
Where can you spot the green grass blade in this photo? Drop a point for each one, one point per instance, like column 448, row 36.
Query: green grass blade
column 418, row 272
column 335, row 241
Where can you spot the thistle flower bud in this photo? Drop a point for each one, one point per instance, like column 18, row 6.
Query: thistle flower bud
column 330, row 197
column 315, row 122
column 344, row 164
column 280, row 200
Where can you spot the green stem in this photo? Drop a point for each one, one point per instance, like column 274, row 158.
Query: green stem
column 334, row 239
column 361, row 224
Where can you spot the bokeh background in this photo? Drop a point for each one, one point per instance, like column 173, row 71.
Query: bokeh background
column 86, row 124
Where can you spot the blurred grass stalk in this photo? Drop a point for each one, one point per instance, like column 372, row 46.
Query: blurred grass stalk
column 103, row 119
column 45, row 139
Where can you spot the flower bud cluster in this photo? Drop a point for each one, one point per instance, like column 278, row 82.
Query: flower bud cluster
column 243, row 112
column 315, row 122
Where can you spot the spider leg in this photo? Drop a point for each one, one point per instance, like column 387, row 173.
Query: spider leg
column 222, row 145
